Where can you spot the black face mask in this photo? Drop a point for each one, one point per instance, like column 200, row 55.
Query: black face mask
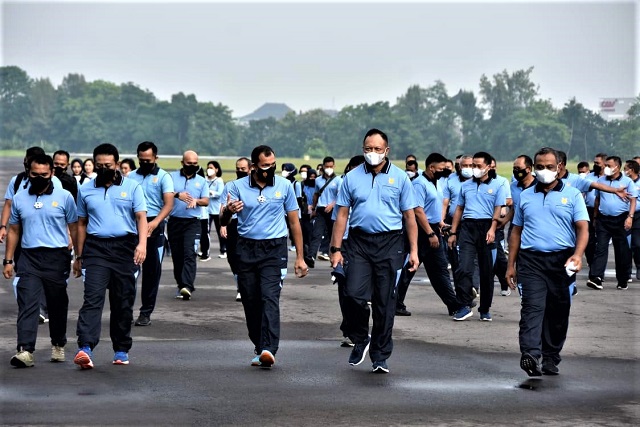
column 241, row 174
column 266, row 174
column 492, row 173
column 38, row 184
column 310, row 182
column 146, row 168
column 59, row 171
column 446, row 173
column 190, row 169
column 440, row 174
column 520, row 174
column 104, row 176
column 597, row 170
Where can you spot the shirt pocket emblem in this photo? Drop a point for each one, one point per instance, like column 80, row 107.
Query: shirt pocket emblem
column 391, row 180
column 123, row 194
column 155, row 179
column 54, row 204
column 564, row 200
column 278, row 194
column 490, row 191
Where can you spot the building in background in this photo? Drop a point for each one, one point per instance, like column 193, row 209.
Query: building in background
column 615, row 108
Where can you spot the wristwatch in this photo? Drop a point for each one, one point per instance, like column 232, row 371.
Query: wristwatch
column 2, row 226
column 7, row 261
column 334, row 249
column 430, row 235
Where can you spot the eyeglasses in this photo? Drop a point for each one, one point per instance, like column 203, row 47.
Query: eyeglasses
column 378, row 150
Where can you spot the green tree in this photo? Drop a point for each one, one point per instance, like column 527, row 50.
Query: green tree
column 15, row 104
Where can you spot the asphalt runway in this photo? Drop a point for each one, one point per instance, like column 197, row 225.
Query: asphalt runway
column 191, row 365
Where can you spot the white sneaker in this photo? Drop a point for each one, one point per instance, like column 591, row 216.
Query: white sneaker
column 238, row 297
column 292, row 248
column 323, row 257
column 22, row 359
column 57, row 354
column 223, row 256
column 505, row 293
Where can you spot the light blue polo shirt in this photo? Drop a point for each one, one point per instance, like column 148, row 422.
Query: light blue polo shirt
column 505, row 183
column 330, row 193
column 154, row 185
column 590, row 196
column 263, row 214
column 377, row 202
column 44, row 227
column 111, row 211
column 573, row 180
column 196, row 186
column 451, row 191
column 610, row 203
column 480, row 198
column 25, row 184
column 215, row 189
column 429, row 197
column 636, row 183
column 516, row 189
column 548, row 222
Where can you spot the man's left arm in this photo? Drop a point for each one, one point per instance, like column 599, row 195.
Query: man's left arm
column 411, row 227
column 300, row 266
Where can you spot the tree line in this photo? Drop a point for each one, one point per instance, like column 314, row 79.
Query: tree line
column 507, row 117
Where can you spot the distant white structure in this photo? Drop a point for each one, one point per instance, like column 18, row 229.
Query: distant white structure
column 615, row 108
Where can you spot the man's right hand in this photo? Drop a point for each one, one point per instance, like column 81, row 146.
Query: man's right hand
column 3, row 234
column 8, row 271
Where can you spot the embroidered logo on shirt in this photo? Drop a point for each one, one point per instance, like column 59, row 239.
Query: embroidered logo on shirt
column 197, row 185
column 155, row 179
column 564, row 200
column 123, row 194
column 391, row 180
column 54, row 204
column 278, row 194
column 490, row 191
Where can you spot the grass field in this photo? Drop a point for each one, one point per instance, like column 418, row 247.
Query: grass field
column 229, row 164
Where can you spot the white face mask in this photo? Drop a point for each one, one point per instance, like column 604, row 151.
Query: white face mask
column 410, row 174
column 545, row 176
column 210, row 172
column 626, row 173
column 582, row 175
column 466, row 172
column 479, row 173
column 303, row 175
column 328, row 171
column 285, row 174
column 374, row 159
column 609, row 171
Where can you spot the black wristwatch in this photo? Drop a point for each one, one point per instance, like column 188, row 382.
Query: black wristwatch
column 334, row 249
column 432, row 234
column 2, row 226
column 7, row 262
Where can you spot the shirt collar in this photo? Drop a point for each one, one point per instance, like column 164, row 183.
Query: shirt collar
column 254, row 183
column 185, row 176
column 385, row 169
column 434, row 181
column 540, row 187
column 521, row 184
column 116, row 181
column 614, row 179
column 478, row 181
column 154, row 171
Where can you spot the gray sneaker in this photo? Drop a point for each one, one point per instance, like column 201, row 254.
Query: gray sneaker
column 22, row 359
column 57, row 353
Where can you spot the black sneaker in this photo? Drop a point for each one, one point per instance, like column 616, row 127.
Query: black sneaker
column 595, row 283
column 359, row 352
column 311, row 263
column 402, row 312
column 143, row 320
column 622, row 286
column 549, row 367
column 380, row 367
column 530, row 365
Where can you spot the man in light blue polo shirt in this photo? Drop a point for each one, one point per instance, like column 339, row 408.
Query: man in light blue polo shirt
column 614, row 218
column 157, row 186
column 43, row 266
column 191, row 194
column 380, row 196
column 479, row 209
column 548, row 239
column 632, row 170
column 262, row 252
column 112, row 244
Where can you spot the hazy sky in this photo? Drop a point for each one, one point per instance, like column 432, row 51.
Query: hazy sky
column 327, row 54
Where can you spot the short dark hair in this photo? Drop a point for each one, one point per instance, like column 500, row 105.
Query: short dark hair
column 633, row 165
column 374, row 131
column 583, row 165
column 486, row 157
column 130, row 162
column 62, row 153
column 328, row 159
column 547, row 150
column 562, row 157
column 406, row 159
column 601, row 155
column 33, row 151
column 41, row 159
column 260, row 149
column 616, row 159
column 245, row 159
column 144, row 146
column 106, row 149
column 411, row 163
column 305, row 166
column 217, row 166
column 527, row 160
column 354, row 162
column 434, row 158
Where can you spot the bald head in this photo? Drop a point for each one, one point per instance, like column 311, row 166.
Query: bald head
column 190, row 163
column 190, row 156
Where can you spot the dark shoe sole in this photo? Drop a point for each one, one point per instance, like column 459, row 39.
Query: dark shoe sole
column 19, row 363
column 403, row 313
column 594, row 285
column 550, row 370
column 529, row 364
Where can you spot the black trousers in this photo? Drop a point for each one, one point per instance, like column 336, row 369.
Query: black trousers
column 152, row 269
column 472, row 243
column 342, row 299
column 611, row 227
column 232, row 244
column 307, row 230
column 590, row 250
column 454, row 259
column 322, row 226
column 435, row 264
column 375, row 263
column 500, row 264
column 108, row 265
column 42, row 271
column 262, row 266
column 215, row 219
column 205, row 242
column 546, row 302
column 635, row 241
column 183, row 233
